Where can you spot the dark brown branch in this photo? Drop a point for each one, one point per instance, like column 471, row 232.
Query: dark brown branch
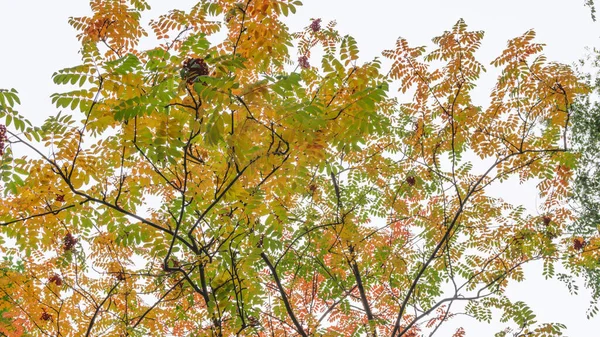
column 117, row 208
column 332, row 306
column 363, row 295
column 157, row 302
column 336, row 186
column 220, row 196
column 87, row 119
column 447, row 234
column 93, row 320
column 54, row 212
column 242, row 28
column 284, row 297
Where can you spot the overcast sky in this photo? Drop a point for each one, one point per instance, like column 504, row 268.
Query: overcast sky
column 36, row 40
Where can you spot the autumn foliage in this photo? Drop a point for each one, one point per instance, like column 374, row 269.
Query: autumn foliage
column 272, row 184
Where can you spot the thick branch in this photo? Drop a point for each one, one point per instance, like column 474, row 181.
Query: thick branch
column 363, row 294
column 284, row 297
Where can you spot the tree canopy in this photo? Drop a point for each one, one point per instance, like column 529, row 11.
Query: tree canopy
column 273, row 184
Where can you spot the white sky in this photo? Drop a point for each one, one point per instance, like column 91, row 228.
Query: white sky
column 36, row 40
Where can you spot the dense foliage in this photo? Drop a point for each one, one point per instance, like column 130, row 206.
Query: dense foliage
column 585, row 140
column 271, row 185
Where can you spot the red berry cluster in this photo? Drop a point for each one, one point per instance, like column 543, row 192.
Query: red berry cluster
column 578, row 243
column 303, row 62
column 316, row 25
column 194, row 68
column 69, row 242
column 55, row 279
column 3, row 138
column 60, row 197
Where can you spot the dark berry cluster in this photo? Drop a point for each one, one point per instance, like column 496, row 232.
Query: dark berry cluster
column 194, row 68
column 60, row 197
column 3, row 138
column 55, row 279
column 578, row 243
column 303, row 62
column 546, row 220
column 69, row 242
column 46, row 316
column 316, row 25
column 411, row 181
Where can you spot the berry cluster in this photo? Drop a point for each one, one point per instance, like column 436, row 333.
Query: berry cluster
column 316, row 25
column 60, row 197
column 193, row 68
column 69, row 242
column 411, row 181
column 55, row 279
column 46, row 316
column 303, row 62
column 578, row 243
column 3, row 138
column 546, row 220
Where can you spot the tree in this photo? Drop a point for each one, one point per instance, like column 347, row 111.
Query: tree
column 234, row 189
